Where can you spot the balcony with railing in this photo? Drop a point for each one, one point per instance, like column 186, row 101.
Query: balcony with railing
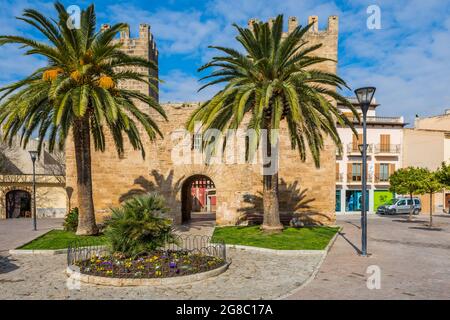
column 387, row 149
column 354, row 150
column 380, row 120
column 381, row 179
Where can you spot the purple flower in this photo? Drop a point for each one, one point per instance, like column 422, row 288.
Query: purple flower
column 172, row 265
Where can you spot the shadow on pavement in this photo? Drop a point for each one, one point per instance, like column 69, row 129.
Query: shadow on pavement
column 6, row 265
column 350, row 243
column 409, row 221
column 353, row 224
column 426, row 228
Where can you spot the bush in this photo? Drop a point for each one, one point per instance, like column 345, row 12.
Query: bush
column 71, row 220
column 139, row 226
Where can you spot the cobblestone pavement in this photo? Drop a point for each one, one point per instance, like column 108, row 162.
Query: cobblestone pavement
column 414, row 261
column 250, row 276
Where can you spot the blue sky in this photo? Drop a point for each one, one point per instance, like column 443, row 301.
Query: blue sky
column 408, row 59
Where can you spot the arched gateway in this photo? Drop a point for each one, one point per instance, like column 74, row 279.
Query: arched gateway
column 198, row 199
column 18, row 204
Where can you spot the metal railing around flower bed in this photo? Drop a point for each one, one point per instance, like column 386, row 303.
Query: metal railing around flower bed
column 188, row 255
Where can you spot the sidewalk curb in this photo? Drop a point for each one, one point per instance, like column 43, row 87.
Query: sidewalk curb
column 18, row 252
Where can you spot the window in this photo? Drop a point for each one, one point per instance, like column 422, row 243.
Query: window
column 410, row 202
column 353, row 200
column 401, row 203
column 384, row 172
column 197, row 142
column 356, row 172
column 417, row 202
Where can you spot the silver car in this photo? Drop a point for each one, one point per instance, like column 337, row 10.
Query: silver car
column 400, row 205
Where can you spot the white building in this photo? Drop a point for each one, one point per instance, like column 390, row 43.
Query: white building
column 384, row 139
column 427, row 145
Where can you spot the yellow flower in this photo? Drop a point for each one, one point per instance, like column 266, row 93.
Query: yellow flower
column 52, row 74
column 75, row 75
column 106, row 82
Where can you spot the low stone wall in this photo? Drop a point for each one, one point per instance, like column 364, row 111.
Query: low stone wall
column 74, row 274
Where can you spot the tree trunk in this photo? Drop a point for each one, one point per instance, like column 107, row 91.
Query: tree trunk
column 82, row 140
column 411, row 209
column 271, row 222
column 431, row 209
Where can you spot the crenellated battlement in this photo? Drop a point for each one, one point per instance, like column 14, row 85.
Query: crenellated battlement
column 332, row 28
column 143, row 46
column 328, row 38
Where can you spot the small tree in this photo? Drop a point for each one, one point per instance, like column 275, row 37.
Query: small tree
column 443, row 175
column 431, row 185
column 408, row 181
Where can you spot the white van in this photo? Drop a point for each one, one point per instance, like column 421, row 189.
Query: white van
column 401, row 205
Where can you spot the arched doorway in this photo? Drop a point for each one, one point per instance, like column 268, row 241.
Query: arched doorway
column 18, row 204
column 198, row 199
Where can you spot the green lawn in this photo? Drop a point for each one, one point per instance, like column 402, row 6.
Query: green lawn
column 313, row 238
column 59, row 239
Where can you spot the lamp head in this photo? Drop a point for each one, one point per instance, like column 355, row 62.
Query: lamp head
column 365, row 97
column 33, row 155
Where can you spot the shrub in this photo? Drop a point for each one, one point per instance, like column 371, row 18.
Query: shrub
column 139, row 226
column 71, row 220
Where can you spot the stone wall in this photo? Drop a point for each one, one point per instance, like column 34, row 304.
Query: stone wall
column 51, row 198
column 303, row 188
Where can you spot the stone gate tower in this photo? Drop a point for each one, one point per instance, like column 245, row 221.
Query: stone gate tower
column 303, row 188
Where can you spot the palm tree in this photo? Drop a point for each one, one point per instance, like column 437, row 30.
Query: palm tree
column 78, row 93
column 274, row 80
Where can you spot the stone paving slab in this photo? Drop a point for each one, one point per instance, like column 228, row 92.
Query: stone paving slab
column 251, row 276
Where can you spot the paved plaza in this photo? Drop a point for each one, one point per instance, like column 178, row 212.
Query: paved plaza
column 414, row 263
column 250, row 276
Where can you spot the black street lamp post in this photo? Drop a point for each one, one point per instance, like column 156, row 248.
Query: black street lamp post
column 34, row 156
column 364, row 96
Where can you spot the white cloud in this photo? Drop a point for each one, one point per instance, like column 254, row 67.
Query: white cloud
column 181, row 87
column 177, row 32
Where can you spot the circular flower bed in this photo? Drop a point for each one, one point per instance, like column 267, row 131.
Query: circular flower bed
column 158, row 264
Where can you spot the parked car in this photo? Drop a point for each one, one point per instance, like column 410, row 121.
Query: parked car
column 401, row 205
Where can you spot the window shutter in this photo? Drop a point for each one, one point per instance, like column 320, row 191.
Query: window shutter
column 349, row 171
column 391, row 169
column 355, row 142
column 360, row 139
column 385, row 142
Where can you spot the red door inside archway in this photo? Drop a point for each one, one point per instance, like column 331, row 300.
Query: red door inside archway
column 198, row 198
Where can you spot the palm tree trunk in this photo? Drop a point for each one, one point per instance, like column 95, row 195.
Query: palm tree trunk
column 431, row 209
column 82, row 140
column 271, row 222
